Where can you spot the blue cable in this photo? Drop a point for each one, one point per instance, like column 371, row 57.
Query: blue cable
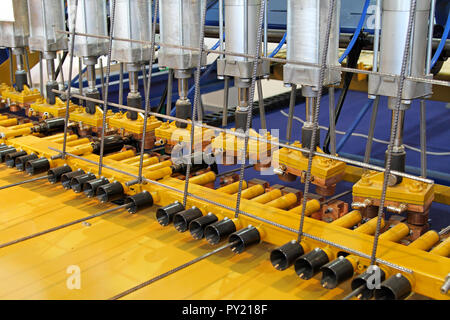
column 357, row 32
column 280, row 45
column 355, row 123
column 442, row 43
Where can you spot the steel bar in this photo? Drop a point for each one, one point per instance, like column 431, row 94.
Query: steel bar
column 355, row 292
column 11, row 66
column 147, row 92
column 423, row 138
column 226, row 95
column 394, row 128
column 251, row 96
column 332, row 115
column 172, row 271
column 338, row 196
column 102, row 76
column 69, row 87
column 65, row 225
column 277, row 60
column 331, row 10
column 291, row 112
column 105, row 91
column 80, row 75
column 121, row 83
column 277, row 225
column 169, row 92
column 262, row 110
column 27, row 66
column 197, row 101
column 275, row 143
column 61, row 72
column 370, row 135
column 41, row 73
column 232, row 171
column 23, row 182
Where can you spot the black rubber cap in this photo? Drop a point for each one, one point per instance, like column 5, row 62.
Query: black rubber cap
column 244, row 239
column 307, row 137
column 197, row 226
column 90, row 187
column 218, row 231
column 21, row 80
column 21, row 161
column 181, row 220
column 66, row 178
column 396, row 287
column 240, row 120
column 6, row 151
column 336, row 272
column 285, row 256
column 183, row 111
column 308, row 265
column 76, row 183
column 363, row 279
column 164, row 215
column 10, row 158
column 90, row 106
column 139, row 201
column 37, row 166
column 134, row 102
column 51, row 96
column 110, row 192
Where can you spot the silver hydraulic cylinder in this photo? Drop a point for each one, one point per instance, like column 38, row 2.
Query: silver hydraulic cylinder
column 132, row 21
column 307, row 22
column 14, row 30
column 179, row 22
column 241, row 29
column 46, row 17
column 395, row 18
column 91, row 19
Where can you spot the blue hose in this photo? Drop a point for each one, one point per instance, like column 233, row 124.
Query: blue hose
column 280, row 45
column 442, row 43
column 355, row 123
column 357, row 32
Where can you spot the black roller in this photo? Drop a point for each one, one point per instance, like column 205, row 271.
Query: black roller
column 110, row 192
column 112, row 144
column 285, row 256
column 90, row 106
column 244, row 239
column 21, row 161
column 50, row 126
column 6, row 151
column 37, row 166
column 51, row 96
column 90, row 187
column 21, row 80
column 197, row 226
column 139, row 201
column 66, row 178
column 3, row 146
column 218, row 231
column 396, row 287
column 76, row 183
column 134, row 102
column 164, row 215
column 10, row 158
column 336, row 272
column 398, row 163
column 181, row 220
column 363, row 279
column 308, row 265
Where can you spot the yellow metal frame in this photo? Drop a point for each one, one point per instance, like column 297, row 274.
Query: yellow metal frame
column 429, row 270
